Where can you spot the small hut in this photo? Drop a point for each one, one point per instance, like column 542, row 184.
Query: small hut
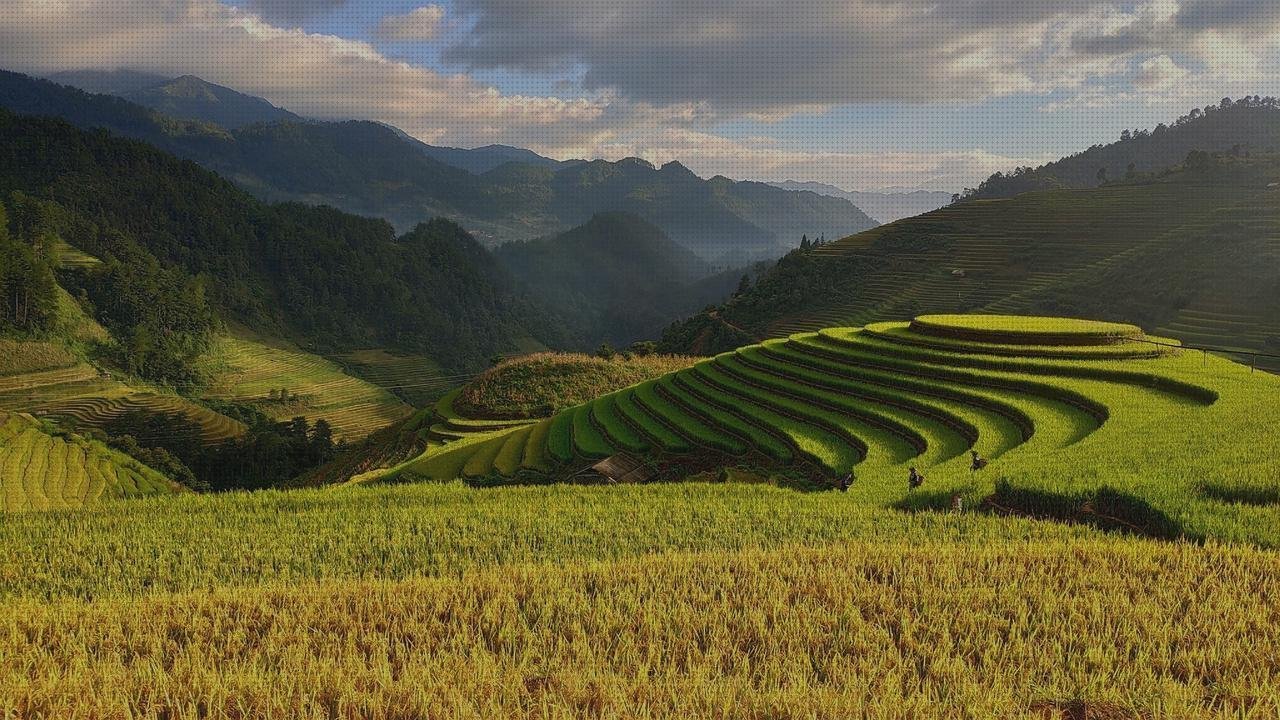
column 623, row 468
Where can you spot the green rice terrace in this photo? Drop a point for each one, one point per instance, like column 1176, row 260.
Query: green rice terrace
column 42, row 469
column 1079, row 421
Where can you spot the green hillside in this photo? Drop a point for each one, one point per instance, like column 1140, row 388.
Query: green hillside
column 45, row 470
column 190, row 98
column 1193, row 253
column 1080, row 420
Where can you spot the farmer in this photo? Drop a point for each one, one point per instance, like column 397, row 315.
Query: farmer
column 978, row 463
column 914, row 480
column 846, row 481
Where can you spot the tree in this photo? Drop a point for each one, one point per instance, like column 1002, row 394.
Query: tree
column 28, row 290
column 743, row 285
column 804, row 242
column 1102, row 175
column 606, row 351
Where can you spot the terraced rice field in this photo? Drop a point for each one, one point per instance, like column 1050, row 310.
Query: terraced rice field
column 43, row 471
column 416, row 379
column 78, row 395
column 251, row 370
column 72, row 258
column 1059, row 423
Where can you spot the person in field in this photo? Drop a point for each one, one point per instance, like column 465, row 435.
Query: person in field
column 846, row 481
column 978, row 463
column 914, row 479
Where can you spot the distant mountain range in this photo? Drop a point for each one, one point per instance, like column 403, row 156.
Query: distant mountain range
column 498, row 193
column 883, row 206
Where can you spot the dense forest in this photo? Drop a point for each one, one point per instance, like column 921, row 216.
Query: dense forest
column 1250, row 124
column 177, row 240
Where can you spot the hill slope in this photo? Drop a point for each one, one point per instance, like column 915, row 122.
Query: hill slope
column 883, row 207
column 1248, row 125
column 1192, row 252
column 337, row 280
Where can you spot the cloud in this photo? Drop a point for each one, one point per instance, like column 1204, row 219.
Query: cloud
column 1159, row 73
column 292, row 12
column 765, row 57
column 418, row 24
column 1250, row 16
column 321, row 76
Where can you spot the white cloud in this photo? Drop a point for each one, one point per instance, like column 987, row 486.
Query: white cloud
column 418, row 24
column 649, row 77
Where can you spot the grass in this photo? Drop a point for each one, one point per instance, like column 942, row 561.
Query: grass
column 250, row 370
column 1189, row 255
column 541, row 384
column 416, row 379
column 48, row 380
column 604, row 411
column 18, row 357
column 395, row 598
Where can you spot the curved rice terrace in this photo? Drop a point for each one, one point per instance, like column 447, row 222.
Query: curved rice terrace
column 1097, row 426
column 40, row 470
column 46, row 380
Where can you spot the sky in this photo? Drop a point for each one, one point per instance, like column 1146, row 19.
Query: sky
column 861, row 94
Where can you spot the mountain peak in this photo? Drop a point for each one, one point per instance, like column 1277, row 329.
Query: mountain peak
column 638, row 162
column 194, row 98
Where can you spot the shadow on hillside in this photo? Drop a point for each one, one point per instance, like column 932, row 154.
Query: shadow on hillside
column 1105, row 509
column 1243, row 494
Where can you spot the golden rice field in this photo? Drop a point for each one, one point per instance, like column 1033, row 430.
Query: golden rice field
column 249, row 370
column 742, row 614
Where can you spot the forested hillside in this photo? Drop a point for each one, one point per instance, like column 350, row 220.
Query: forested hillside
column 372, row 169
column 191, row 98
column 1248, row 125
column 171, row 233
column 621, row 278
